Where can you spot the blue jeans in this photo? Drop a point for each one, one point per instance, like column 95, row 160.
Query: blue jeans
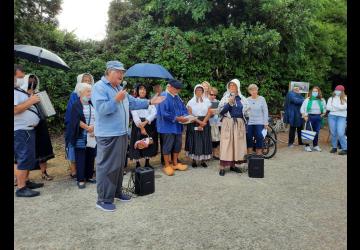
column 337, row 125
column 315, row 121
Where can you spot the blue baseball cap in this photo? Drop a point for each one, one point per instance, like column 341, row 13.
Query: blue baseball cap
column 176, row 84
column 115, row 65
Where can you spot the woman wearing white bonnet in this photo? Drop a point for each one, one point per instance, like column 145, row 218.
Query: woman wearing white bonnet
column 232, row 108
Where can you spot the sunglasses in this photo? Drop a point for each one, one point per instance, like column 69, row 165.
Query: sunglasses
column 212, row 94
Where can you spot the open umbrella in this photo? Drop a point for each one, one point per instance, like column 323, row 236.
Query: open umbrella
column 148, row 70
column 40, row 55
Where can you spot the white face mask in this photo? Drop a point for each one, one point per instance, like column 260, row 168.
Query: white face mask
column 19, row 82
column 337, row 92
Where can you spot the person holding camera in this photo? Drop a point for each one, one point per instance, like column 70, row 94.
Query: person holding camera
column 232, row 108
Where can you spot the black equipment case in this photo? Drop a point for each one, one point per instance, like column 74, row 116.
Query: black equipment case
column 144, row 181
column 256, row 166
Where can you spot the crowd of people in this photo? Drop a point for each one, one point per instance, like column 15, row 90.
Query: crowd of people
column 105, row 126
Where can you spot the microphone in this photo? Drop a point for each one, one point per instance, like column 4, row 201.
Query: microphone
column 123, row 84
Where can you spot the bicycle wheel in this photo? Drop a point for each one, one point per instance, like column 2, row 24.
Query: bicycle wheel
column 272, row 132
column 270, row 147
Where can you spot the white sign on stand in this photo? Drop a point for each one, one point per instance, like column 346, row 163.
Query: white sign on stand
column 303, row 86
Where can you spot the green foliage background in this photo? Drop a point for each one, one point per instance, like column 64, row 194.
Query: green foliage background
column 267, row 42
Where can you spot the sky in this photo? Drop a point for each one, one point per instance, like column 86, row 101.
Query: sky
column 86, row 18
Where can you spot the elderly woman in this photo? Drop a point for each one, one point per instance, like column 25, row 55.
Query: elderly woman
column 81, row 135
column 143, row 126
column 312, row 110
column 337, row 106
column 258, row 120
column 232, row 107
column 70, row 151
column 198, row 145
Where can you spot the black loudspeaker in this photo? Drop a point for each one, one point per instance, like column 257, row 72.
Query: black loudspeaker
column 144, row 181
column 256, row 166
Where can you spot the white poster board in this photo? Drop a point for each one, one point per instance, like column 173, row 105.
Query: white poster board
column 303, row 86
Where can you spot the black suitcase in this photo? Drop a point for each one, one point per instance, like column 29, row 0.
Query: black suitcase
column 256, row 166
column 144, row 181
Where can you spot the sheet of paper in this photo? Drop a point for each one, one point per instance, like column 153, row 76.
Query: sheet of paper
column 264, row 132
column 90, row 141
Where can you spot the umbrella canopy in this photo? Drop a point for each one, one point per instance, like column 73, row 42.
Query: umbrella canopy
column 40, row 55
column 148, row 70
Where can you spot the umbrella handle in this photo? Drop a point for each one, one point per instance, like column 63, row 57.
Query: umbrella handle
column 39, row 59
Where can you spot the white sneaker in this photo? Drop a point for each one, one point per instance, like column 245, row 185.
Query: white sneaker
column 308, row 149
column 317, row 148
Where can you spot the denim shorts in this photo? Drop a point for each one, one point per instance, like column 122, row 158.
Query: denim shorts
column 70, row 152
column 24, row 149
column 255, row 131
column 171, row 143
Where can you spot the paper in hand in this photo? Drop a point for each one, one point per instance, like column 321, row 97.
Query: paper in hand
column 264, row 132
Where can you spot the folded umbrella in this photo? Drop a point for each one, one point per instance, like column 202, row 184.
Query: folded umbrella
column 148, row 70
column 40, row 55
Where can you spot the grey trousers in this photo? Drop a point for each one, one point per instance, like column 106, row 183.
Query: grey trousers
column 110, row 161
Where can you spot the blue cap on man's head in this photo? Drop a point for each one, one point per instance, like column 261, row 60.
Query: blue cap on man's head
column 176, row 84
column 115, row 65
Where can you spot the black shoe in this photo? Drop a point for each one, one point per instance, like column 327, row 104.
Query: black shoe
column 73, row 176
column 124, row 172
column 81, row 186
column 92, row 181
column 216, row 158
column 33, row 185
column 203, row 164
column 235, row 169
column 26, row 192
column 343, row 152
column 333, row 150
column 222, row 172
column 194, row 165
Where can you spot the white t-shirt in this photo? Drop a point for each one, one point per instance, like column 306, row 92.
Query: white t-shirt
column 199, row 108
column 26, row 120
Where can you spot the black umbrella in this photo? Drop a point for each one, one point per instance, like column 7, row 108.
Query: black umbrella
column 40, row 55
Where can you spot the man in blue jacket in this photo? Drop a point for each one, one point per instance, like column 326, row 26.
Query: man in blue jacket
column 292, row 114
column 171, row 114
column 112, row 104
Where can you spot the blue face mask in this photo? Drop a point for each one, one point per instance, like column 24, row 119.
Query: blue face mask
column 85, row 99
column 337, row 92
column 315, row 94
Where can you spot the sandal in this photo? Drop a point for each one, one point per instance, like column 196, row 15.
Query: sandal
column 46, row 177
column 73, row 176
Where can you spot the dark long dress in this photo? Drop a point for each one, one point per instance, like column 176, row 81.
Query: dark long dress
column 198, row 144
column 152, row 150
column 43, row 147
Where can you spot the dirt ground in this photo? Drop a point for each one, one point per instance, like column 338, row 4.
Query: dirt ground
column 300, row 204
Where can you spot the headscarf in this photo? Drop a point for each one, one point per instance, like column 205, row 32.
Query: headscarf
column 196, row 99
column 25, row 84
column 226, row 96
column 79, row 79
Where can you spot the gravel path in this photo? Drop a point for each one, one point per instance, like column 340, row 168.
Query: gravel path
column 300, row 204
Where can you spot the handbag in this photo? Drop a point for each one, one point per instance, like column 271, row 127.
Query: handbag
column 307, row 136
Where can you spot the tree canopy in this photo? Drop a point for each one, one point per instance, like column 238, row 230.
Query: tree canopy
column 267, row 42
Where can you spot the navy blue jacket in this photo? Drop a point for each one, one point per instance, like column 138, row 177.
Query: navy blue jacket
column 235, row 111
column 292, row 107
column 73, row 130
